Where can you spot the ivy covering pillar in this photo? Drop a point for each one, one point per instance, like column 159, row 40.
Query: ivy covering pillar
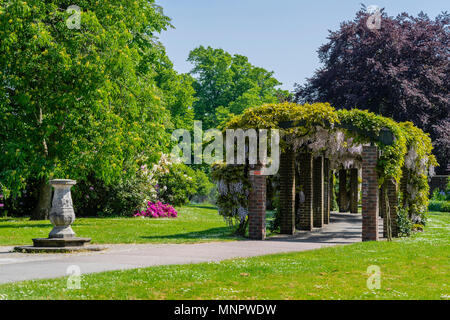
column 390, row 206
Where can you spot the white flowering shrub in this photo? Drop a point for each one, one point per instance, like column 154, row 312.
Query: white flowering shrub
column 177, row 183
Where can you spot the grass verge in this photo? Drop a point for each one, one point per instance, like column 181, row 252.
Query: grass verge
column 199, row 223
column 411, row 268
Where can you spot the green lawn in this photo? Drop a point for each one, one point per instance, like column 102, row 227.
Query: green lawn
column 413, row 268
column 194, row 224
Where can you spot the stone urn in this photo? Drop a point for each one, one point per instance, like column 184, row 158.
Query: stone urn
column 62, row 238
column 62, row 215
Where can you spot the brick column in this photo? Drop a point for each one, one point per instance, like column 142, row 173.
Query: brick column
column 343, row 190
column 257, row 206
column 326, row 191
column 403, row 185
column 391, row 188
column 287, row 192
column 382, row 202
column 318, row 192
column 306, row 208
column 331, row 190
column 369, row 194
column 354, row 190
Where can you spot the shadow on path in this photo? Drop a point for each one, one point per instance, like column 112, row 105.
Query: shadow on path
column 224, row 233
column 344, row 228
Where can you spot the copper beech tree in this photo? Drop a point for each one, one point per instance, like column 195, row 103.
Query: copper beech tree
column 400, row 70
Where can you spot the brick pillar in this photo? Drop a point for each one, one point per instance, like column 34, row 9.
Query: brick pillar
column 403, row 185
column 391, row 188
column 287, row 192
column 318, row 192
column 354, row 190
column 298, row 197
column 369, row 194
column 257, row 206
column 382, row 202
column 343, row 190
column 306, row 208
column 326, row 191
column 331, row 190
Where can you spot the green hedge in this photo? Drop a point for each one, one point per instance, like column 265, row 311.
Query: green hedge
column 442, row 206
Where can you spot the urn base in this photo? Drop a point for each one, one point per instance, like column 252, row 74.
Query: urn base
column 59, row 242
column 61, row 233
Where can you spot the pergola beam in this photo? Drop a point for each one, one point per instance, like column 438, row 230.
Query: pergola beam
column 385, row 136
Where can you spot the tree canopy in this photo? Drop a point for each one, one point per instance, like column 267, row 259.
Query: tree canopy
column 400, row 70
column 228, row 84
column 94, row 100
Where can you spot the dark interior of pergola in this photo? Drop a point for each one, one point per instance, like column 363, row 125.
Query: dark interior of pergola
column 314, row 177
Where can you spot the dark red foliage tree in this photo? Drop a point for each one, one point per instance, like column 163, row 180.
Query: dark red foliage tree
column 400, row 70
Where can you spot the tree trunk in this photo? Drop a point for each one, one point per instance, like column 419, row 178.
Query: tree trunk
column 242, row 227
column 42, row 210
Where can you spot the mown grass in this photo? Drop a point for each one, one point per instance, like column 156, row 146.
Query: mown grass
column 411, row 268
column 196, row 223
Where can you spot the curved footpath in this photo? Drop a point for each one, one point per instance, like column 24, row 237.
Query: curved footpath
column 344, row 229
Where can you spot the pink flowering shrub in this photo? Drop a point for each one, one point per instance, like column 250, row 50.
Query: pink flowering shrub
column 157, row 210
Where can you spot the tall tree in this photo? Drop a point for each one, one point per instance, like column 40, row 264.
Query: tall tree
column 76, row 101
column 400, row 70
column 227, row 84
column 177, row 90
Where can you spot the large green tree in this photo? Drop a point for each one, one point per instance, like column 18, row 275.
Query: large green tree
column 228, row 84
column 177, row 89
column 79, row 101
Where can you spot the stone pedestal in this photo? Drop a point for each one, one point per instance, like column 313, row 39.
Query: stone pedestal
column 62, row 215
column 62, row 238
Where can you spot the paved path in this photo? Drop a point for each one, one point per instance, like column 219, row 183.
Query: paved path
column 344, row 229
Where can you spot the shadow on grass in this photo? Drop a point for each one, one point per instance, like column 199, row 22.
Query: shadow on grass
column 222, row 233
column 22, row 225
column 202, row 206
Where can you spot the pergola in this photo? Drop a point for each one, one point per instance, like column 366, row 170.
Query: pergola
column 315, row 178
column 309, row 158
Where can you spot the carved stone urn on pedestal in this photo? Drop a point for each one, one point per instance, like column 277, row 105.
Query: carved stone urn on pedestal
column 61, row 238
column 62, row 215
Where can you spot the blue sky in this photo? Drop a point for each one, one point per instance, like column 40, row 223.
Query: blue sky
column 279, row 35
